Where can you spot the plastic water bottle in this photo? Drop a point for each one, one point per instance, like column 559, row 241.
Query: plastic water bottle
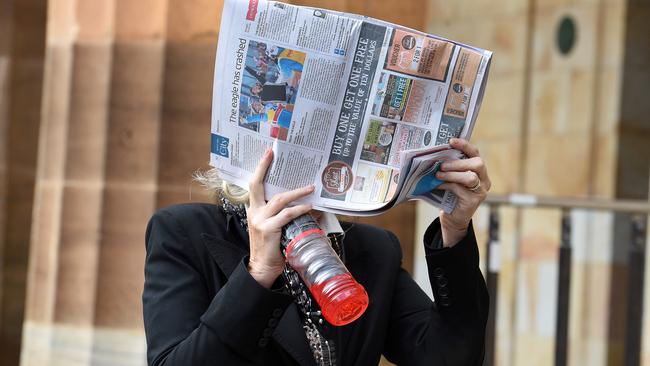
column 308, row 251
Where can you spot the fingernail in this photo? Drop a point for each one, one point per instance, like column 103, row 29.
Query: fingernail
column 440, row 175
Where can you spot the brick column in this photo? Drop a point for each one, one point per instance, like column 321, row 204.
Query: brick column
column 131, row 170
column 97, row 182
column 112, row 77
column 67, row 221
column 22, row 37
column 6, row 25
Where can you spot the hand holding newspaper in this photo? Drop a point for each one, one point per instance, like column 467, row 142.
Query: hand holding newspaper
column 361, row 108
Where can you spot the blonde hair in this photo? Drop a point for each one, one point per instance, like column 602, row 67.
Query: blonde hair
column 211, row 180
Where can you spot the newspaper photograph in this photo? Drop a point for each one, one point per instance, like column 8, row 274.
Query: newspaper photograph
column 358, row 107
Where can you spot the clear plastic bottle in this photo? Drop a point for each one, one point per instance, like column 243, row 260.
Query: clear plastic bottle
column 309, row 252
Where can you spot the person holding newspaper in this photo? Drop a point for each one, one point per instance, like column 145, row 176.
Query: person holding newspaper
column 214, row 293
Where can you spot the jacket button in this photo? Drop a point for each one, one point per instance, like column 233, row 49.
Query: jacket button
column 443, row 292
column 442, row 281
column 267, row 332
column 273, row 322
column 445, row 301
column 263, row 342
column 438, row 272
column 277, row 313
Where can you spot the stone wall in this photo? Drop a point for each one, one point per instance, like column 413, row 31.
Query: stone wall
column 565, row 125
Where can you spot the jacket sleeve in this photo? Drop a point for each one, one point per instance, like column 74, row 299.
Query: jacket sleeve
column 450, row 331
column 183, row 324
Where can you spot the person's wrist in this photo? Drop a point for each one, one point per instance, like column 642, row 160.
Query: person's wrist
column 452, row 237
column 452, row 232
column 264, row 273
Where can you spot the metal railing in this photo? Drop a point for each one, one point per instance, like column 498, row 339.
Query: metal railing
column 636, row 267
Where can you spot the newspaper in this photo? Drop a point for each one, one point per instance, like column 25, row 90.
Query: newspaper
column 361, row 108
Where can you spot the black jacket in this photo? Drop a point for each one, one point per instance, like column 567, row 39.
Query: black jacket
column 202, row 307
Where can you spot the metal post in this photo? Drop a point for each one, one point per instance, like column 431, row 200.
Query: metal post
column 636, row 267
column 564, row 286
column 493, row 258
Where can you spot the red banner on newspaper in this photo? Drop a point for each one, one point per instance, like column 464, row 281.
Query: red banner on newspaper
column 252, row 9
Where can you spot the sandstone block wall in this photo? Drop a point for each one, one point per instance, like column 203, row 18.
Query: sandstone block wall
column 559, row 124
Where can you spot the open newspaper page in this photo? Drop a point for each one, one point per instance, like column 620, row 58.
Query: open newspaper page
column 338, row 97
column 421, row 182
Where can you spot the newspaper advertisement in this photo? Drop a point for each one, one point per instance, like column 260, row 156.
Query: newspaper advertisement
column 338, row 97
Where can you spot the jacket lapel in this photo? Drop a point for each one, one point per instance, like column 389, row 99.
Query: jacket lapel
column 228, row 245
column 291, row 336
column 227, row 254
